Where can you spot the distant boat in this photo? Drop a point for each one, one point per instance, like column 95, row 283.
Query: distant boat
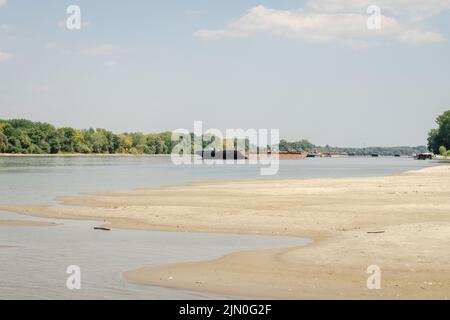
column 282, row 155
column 292, row 155
column 224, row 155
column 397, row 155
column 424, row 156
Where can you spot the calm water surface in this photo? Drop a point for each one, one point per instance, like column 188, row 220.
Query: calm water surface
column 39, row 180
column 33, row 260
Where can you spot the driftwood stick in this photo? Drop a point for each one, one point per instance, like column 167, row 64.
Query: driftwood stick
column 102, row 228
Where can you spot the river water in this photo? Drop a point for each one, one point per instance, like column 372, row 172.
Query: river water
column 33, row 260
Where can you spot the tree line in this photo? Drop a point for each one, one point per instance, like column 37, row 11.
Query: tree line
column 305, row 145
column 28, row 137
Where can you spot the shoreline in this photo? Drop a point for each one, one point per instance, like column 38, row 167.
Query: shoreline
column 56, row 155
column 410, row 208
column 26, row 223
column 163, row 155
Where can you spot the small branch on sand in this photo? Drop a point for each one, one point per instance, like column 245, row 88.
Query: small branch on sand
column 102, row 228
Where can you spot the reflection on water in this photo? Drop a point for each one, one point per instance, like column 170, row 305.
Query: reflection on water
column 33, row 260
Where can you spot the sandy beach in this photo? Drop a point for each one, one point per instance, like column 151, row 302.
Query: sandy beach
column 26, row 223
column 400, row 223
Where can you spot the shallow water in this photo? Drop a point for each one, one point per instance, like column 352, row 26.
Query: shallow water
column 33, row 260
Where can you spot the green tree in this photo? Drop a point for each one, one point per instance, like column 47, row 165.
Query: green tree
column 139, row 142
column 125, row 143
column 440, row 136
column 14, row 145
column 3, row 142
column 155, row 144
column 54, row 142
column 66, row 139
column 168, row 143
column 301, row 145
column 99, row 142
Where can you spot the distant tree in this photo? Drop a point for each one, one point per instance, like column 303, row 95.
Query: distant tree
column 21, row 123
column 25, row 141
column 53, row 141
column 155, row 144
column 139, row 142
column 440, row 136
column 115, row 143
column 34, row 149
column 283, row 145
column 111, row 140
column 79, row 144
column 66, row 137
column 168, row 144
column 125, row 143
column 14, row 145
column 3, row 142
column 100, row 142
column 297, row 146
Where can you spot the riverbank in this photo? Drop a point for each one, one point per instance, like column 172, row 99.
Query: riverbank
column 408, row 213
column 26, row 223
column 81, row 155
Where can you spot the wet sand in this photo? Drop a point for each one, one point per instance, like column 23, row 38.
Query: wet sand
column 26, row 223
column 400, row 223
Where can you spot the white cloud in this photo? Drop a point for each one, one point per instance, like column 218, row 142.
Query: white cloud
column 412, row 8
column 220, row 33
column 5, row 56
column 3, row 2
column 314, row 26
column 416, row 37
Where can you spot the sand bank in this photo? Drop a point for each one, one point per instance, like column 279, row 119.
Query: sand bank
column 409, row 213
column 25, row 223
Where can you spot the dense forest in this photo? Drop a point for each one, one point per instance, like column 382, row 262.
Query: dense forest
column 24, row 136
column 28, row 137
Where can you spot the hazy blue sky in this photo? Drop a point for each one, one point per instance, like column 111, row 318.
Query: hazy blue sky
column 310, row 68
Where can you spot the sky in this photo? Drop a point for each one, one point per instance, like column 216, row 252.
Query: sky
column 312, row 69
